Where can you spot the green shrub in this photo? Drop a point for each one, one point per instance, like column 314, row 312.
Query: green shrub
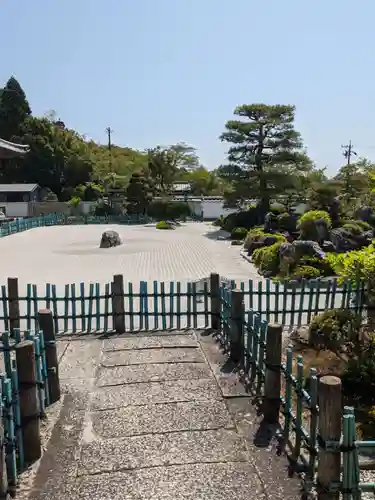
column 305, row 272
column 354, row 228
column 322, row 265
column 163, row 225
column 219, row 222
column 248, row 219
column 314, row 216
column 334, row 325
column 362, row 224
column 358, row 380
column 277, row 208
column 239, row 233
column 168, row 210
column 286, row 222
column 257, row 234
column 307, row 224
column 267, row 259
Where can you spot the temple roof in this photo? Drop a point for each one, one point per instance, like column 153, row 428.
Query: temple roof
column 11, row 147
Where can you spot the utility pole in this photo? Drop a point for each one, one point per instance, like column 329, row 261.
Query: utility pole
column 348, row 152
column 109, row 132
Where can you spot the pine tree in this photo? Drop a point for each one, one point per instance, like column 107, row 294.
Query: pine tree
column 139, row 193
column 14, row 109
column 265, row 152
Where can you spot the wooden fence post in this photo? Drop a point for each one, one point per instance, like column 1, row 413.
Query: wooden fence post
column 330, row 415
column 118, row 306
column 29, row 403
column 236, row 338
column 46, row 324
column 272, row 384
column 215, row 301
column 14, row 305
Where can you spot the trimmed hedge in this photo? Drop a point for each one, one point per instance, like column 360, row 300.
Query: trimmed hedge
column 168, row 210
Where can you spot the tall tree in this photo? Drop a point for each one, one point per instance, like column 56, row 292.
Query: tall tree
column 14, row 109
column 58, row 159
column 162, row 166
column 139, row 193
column 265, row 151
column 186, row 157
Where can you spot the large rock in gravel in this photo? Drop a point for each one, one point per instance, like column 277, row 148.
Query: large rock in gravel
column 110, row 239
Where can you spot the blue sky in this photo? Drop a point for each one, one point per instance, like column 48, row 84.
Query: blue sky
column 163, row 71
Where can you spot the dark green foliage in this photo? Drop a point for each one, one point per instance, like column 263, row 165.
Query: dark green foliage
column 239, row 233
column 322, row 265
column 334, row 325
column 14, row 109
column 365, row 226
column 358, row 380
column 314, row 225
column 139, row 193
column 304, row 272
column 247, row 219
column 219, row 222
column 168, row 210
column 102, row 209
column 287, row 222
column 265, row 152
column 354, row 228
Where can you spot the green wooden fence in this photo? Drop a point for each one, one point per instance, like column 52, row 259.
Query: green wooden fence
column 306, row 432
column 20, row 225
column 88, row 307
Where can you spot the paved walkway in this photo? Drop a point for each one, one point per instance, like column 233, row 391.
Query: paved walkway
column 152, row 418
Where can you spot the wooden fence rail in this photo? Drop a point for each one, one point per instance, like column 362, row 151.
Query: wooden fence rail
column 28, row 385
column 20, row 225
column 144, row 306
column 315, row 432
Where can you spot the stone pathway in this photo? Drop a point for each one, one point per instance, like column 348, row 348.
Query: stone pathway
column 155, row 417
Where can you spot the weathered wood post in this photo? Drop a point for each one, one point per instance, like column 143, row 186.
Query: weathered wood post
column 330, row 417
column 29, row 402
column 3, row 465
column 14, row 305
column 272, row 385
column 215, row 301
column 237, row 315
column 118, row 306
column 46, row 324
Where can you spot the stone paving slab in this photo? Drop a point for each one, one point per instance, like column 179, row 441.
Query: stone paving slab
column 159, row 418
column 152, row 373
column 142, row 356
column 149, row 342
column 230, row 481
column 155, row 392
column 152, row 450
column 81, row 359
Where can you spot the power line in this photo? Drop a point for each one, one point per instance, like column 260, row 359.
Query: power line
column 348, row 152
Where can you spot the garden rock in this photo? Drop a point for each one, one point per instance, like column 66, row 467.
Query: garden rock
column 110, row 239
column 262, row 241
column 290, row 253
column 328, row 246
column 365, row 214
column 270, row 222
column 253, row 246
column 345, row 241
